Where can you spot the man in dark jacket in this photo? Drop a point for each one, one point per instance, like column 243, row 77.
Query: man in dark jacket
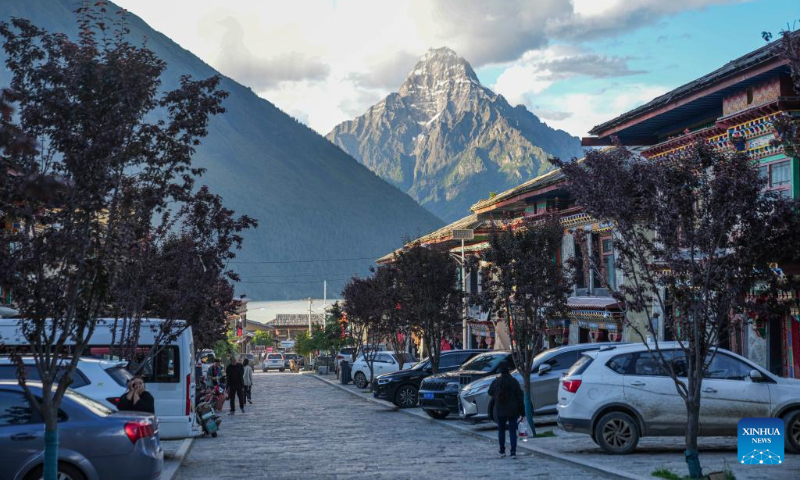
column 235, row 375
column 508, row 407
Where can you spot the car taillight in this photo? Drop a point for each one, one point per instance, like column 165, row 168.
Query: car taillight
column 571, row 385
column 140, row 429
column 114, row 400
column 339, row 357
column 188, row 392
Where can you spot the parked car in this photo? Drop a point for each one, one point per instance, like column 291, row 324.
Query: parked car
column 401, row 387
column 102, row 380
column 274, row 361
column 475, row 404
column 619, row 394
column 288, row 357
column 384, row 362
column 345, row 354
column 95, row 442
column 251, row 359
column 438, row 394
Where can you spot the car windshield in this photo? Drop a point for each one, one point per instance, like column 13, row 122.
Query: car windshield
column 274, row 356
column 424, row 363
column 405, row 357
column 91, row 404
column 485, row 363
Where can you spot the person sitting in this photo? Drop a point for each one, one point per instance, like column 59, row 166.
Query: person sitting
column 136, row 398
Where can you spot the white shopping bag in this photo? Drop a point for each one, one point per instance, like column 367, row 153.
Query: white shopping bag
column 524, row 430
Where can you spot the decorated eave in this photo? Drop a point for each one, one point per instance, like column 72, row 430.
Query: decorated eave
column 515, row 197
column 698, row 100
column 595, row 313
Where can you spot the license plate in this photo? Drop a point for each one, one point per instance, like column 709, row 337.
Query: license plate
column 427, row 396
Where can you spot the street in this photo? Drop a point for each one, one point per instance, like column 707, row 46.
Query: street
column 300, row 427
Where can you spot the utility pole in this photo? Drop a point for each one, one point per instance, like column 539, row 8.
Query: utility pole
column 309, row 317
column 464, row 234
column 324, row 294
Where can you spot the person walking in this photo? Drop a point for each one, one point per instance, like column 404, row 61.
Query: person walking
column 248, row 381
column 235, row 377
column 137, row 399
column 508, row 406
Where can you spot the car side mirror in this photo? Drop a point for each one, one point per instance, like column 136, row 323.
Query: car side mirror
column 544, row 368
column 755, row 376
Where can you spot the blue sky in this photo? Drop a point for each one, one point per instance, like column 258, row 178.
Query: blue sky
column 574, row 63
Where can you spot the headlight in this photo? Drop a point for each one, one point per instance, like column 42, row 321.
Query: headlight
column 452, row 386
column 384, row 381
column 476, row 390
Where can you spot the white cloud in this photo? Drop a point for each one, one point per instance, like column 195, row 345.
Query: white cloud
column 329, row 58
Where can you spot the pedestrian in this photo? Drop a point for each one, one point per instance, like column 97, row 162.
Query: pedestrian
column 248, row 381
column 235, row 374
column 508, row 406
column 136, row 398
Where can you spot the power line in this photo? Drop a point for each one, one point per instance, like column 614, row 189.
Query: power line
column 308, row 261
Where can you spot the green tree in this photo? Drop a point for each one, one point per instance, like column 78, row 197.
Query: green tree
column 263, row 337
column 303, row 344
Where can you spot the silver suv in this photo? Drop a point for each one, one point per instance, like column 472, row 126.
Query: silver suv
column 548, row 366
column 619, row 394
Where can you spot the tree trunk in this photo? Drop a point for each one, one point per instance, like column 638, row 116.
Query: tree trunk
column 51, row 448
column 528, row 402
column 692, row 429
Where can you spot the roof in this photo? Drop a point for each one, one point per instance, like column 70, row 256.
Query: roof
column 761, row 58
column 295, row 319
column 541, row 181
column 592, row 302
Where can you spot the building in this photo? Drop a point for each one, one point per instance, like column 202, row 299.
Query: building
column 734, row 108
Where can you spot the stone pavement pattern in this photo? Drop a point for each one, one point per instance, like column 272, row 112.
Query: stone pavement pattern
column 300, row 427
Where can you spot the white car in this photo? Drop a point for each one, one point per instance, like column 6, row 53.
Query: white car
column 619, row 394
column 274, row 361
column 102, row 380
column 384, row 362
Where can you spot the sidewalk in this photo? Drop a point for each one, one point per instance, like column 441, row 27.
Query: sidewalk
column 716, row 453
column 175, row 451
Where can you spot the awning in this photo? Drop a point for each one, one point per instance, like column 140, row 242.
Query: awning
column 593, row 303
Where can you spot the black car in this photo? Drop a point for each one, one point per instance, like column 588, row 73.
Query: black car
column 401, row 387
column 438, row 394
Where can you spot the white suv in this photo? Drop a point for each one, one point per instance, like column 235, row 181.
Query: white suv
column 102, row 380
column 384, row 362
column 619, row 394
column 273, row 361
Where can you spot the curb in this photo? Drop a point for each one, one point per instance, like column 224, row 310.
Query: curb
column 459, row 428
column 171, row 471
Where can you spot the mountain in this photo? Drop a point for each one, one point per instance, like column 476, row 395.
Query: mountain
column 313, row 201
column 449, row 141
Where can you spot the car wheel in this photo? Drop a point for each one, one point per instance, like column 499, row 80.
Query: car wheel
column 65, row 472
column 265, row 370
column 281, row 370
column 792, row 431
column 360, row 380
column 438, row 414
column 406, row 397
column 616, row 433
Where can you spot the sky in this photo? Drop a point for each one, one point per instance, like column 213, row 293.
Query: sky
column 575, row 63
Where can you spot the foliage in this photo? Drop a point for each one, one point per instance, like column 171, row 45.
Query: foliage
column 695, row 232
column 429, row 295
column 263, row 337
column 86, row 192
column 524, row 286
column 225, row 348
column 363, row 305
column 303, row 344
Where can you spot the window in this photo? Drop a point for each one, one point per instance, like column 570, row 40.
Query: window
column 723, row 367
column 780, row 173
column 121, row 375
column 383, row 358
column 164, row 367
column 274, row 356
column 608, row 261
column 647, row 363
column 620, row 363
column 93, row 405
column 451, row 361
column 486, row 363
column 14, row 409
column 563, row 361
column 580, row 366
column 9, row 372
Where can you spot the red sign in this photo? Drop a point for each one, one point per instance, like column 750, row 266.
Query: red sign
column 269, row 349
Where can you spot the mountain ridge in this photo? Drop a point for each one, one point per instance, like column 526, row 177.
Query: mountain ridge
column 448, row 140
column 313, row 201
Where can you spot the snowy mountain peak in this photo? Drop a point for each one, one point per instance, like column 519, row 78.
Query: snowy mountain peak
column 441, row 65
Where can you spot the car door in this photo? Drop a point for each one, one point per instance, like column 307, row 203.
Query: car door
column 21, row 432
column 544, row 387
column 728, row 395
column 649, row 390
column 382, row 364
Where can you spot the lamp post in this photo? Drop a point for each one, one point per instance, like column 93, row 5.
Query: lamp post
column 309, row 317
column 464, row 234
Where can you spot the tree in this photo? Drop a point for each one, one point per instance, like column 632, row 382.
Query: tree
column 430, row 297
column 363, row 305
column 393, row 325
column 263, row 337
column 98, row 169
column 304, row 344
column 696, row 231
column 524, row 285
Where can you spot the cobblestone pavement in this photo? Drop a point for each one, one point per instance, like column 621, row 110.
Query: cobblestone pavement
column 300, row 427
column 716, row 453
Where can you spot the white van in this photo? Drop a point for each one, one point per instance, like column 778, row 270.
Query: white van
column 170, row 376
